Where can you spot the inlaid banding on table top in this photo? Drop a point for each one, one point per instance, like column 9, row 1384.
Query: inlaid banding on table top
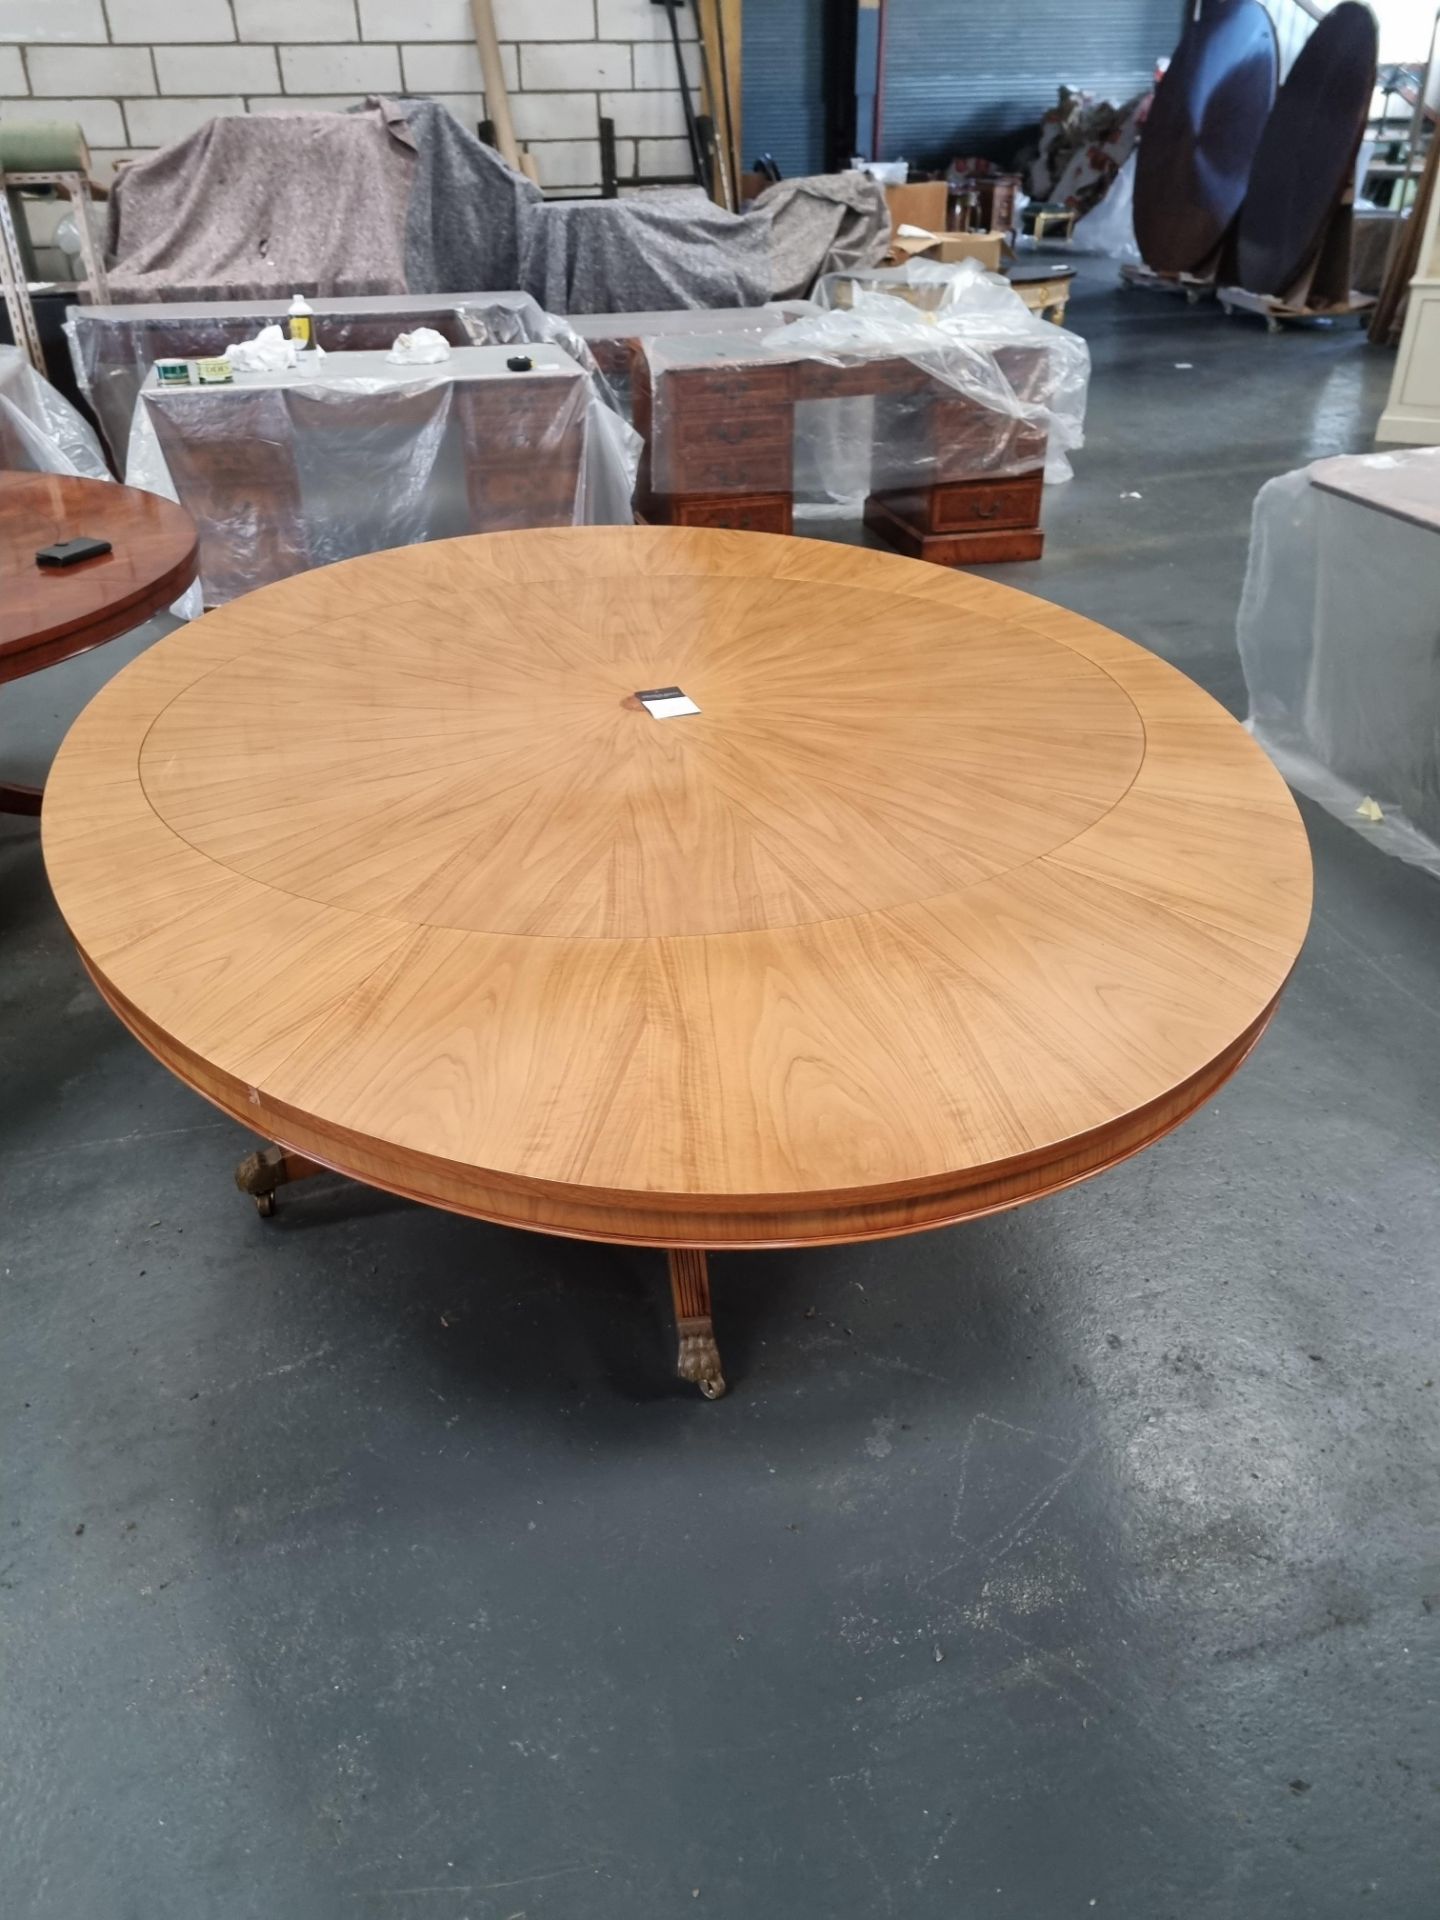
column 503, row 748
column 946, row 893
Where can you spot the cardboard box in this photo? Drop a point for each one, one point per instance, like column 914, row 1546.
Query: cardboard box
column 920, row 204
column 949, row 247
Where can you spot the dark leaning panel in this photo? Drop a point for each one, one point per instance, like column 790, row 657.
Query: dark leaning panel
column 1202, row 133
column 1308, row 149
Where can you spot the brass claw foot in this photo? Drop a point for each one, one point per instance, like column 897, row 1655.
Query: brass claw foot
column 699, row 1357
column 698, row 1360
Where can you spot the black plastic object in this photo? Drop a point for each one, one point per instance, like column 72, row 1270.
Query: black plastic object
column 692, row 131
column 69, row 553
column 1307, row 155
column 520, row 363
column 1197, row 144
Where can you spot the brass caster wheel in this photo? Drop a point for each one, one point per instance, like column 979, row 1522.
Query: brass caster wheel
column 713, row 1386
column 259, row 1174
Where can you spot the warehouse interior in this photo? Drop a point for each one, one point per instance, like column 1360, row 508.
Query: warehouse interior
column 905, row 385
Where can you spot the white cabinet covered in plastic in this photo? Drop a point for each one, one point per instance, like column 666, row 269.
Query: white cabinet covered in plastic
column 350, row 453
column 1339, row 634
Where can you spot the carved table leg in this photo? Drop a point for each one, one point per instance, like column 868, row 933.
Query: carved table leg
column 259, row 1174
column 699, row 1357
column 15, row 799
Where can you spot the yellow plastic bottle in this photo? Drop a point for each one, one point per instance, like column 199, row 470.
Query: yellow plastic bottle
column 301, row 318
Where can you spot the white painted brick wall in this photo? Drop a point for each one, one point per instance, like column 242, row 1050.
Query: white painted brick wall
column 439, row 67
column 279, row 21
column 351, row 69
column 52, row 20
column 640, row 20
column 157, row 21
column 545, row 20
column 100, row 120
column 654, row 64
column 645, row 115
column 138, row 74
column 661, row 158
column 418, row 19
column 197, row 70
column 79, row 71
column 156, row 123
column 570, row 64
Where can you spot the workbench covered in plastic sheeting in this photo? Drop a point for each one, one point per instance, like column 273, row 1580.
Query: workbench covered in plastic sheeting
column 1339, row 634
column 40, row 432
column 940, row 430
column 350, row 454
column 113, row 348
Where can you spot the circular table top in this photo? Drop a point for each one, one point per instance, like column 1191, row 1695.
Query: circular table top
column 945, row 898
column 1306, row 156
column 1201, row 133
column 49, row 613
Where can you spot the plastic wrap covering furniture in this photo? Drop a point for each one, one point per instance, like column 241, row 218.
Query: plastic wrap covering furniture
column 40, row 432
column 294, row 469
column 1339, row 634
column 924, row 404
column 978, row 337
column 616, row 339
column 1109, row 227
column 926, row 285
column 114, row 347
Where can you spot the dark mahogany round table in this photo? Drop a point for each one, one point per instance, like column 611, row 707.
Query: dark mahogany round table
column 49, row 614
column 1201, row 134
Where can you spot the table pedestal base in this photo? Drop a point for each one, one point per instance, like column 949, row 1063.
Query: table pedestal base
column 698, row 1358
column 20, row 799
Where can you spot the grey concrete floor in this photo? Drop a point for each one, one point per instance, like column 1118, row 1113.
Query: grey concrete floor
column 1085, row 1560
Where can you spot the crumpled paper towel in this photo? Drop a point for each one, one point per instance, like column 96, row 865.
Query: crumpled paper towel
column 268, row 352
column 422, row 348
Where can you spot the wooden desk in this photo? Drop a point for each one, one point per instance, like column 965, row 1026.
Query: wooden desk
column 720, row 444
column 946, row 899
column 47, row 614
column 617, row 339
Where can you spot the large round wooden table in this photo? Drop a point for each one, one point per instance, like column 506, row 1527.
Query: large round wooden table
column 946, row 898
column 49, row 614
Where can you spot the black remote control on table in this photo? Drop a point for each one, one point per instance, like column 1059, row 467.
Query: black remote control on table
column 68, row 553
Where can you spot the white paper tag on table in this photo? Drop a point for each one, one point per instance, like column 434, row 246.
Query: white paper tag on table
column 666, row 703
